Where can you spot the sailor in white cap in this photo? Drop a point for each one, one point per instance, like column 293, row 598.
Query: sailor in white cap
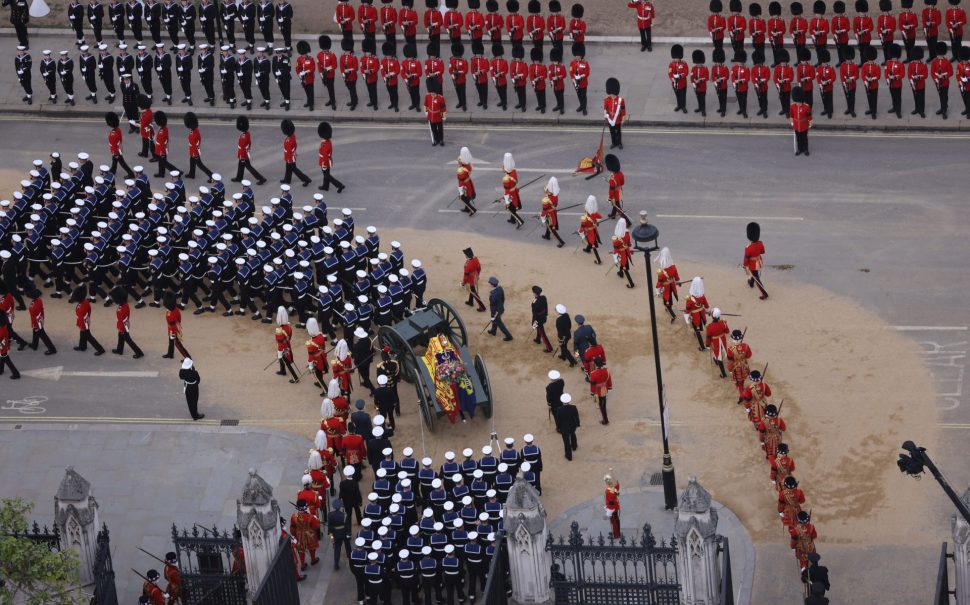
column 532, row 455
column 554, row 390
column 363, row 357
column 510, row 456
column 564, row 333
column 22, row 64
column 65, row 71
column 48, row 71
column 384, row 399
column 190, row 381
column 262, row 67
column 88, row 66
column 183, row 69
column 349, row 493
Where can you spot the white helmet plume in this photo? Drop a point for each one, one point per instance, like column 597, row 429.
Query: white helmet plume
column 697, row 287
column 508, row 162
column 591, row 205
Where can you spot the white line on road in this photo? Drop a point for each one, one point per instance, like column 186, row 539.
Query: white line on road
column 929, row 328
column 731, row 218
column 57, row 372
column 451, row 211
column 542, row 170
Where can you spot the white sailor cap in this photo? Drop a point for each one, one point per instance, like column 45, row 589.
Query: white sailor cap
column 63, row 53
column 393, row 279
column 382, row 256
column 382, row 289
column 456, row 478
column 174, row 173
column 287, row 227
column 285, row 187
column 47, row 52
column 84, row 48
column 225, row 47
column 327, row 250
column 123, row 46
column 193, row 244
column 198, row 232
column 359, row 240
column 487, row 450
column 395, row 245
column 467, row 452
column 277, row 261
column 377, row 431
column 346, row 212
column 240, row 261
column 83, row 156
column 345, row 245
column 260, row 49
column 246, row 183
column 212, row 260
column 239, row 51
column 338, row 222
column 298, row 275
column 332, row 279
column 371, row 229
column 268, row 268
column 73, row 166
column 203, row 46
column 565, row 398
column 183, row 256
column 181, row 47
column 220, row 246
column 374, row 262
column 528, row 438
column 251, row 251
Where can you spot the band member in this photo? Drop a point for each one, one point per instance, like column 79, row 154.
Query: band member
column 242, row 152
column 579, row 74
column 667, row 281
column 699, row 76
column 752, row 261
column 589, row 228
column 677, row 72
column 549, row 214
column 720, row 74
column 622, row 251
column 173, row 319
column 469, row 280
column 782, row 465
column 289, row 155
column 115, row 144
column 284, row 349
column 755, row 397
column 510, row 184
column 611, row 502
column 325, row 131
column 738, row 354
column 390, row 70
column 466, row 188
column 614, row 111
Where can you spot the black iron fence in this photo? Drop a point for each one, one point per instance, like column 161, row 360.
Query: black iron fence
column 104, row 573
column 34, row 533
column 206, row 560
column 727, row 584
column 498, row 584
column 278, row 586
column 943, row 591
column 608, row 571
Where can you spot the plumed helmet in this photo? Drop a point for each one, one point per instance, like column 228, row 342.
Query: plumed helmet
column 740, row 56
column 555, row 54
column 534, row 7
column 190, row 120
column 758, row 56
column 612, row 86
column 861, row 6
column 796, row 8
column 734, row 6
column 698, row 57
column 325, row 130
column 242, row 124
column 536, row 55
column 579, row 49
column 303, row 47
column 885, row 5
column 457, row 49
column 518, row 52
column 754, row 9
column 111, row 119
column 287, row 127
column 347, row 45
column 612, row 162
column 577, row 11
column 512, row 6
column 838, row 7
column 716, row 6
column 717, row 55
column 324, row 42
column 388, row 49
column 753, row 231
column 676, row 51
column 791, row 482
column 161, row 118
column 144, row 102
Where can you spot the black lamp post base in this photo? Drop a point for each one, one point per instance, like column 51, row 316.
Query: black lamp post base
column 670, row 484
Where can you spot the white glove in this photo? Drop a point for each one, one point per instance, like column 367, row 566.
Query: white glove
column 279, row 355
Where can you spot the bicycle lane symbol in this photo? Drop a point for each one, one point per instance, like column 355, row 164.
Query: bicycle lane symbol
column 29, row 405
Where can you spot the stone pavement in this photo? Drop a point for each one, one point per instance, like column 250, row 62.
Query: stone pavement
column 146, row 477
column 643, row 76
column 641, row 505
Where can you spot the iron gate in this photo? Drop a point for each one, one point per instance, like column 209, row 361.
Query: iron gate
column 209, row 571
column 279, row 584
column 608, row 571
column 104, row 573
column 498, row 585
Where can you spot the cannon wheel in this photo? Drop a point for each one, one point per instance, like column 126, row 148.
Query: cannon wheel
column 482, row 372
column 451, row 318
column 389, row 337
column 424, row 402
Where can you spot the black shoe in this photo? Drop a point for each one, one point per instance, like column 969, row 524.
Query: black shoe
column 116, row 351
column 99, row 353
column 50, row 352
column 137, row 355
column 507, row 338
column 199, row 417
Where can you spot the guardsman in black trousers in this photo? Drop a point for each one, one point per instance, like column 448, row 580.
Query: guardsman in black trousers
column 229, row 12
column 244, row 74
column 133, row 13
column 116, row 15
column 183, row 67
column 106, row 71
column 284, row 20
column 22, row 64
column 96, row 18
column 261, row 70
column 65, row 71
column 88, row 66
column 206, row 65
column 208, row 16
column 406, row 575
column 163, row 69
column 227, row 75
column 430, row 577
column 19, row 17
column 48, row 71
column 283, row 75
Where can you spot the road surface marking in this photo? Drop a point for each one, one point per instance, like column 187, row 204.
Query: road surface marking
column 731, row 218
column 539, row 170
column 928, row 328
column 27, row 405
column 454, row 211
column 105, row 419
column 57, row 372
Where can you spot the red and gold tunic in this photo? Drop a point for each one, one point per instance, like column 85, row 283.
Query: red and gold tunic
column 464, row 174
column 510, row 183
column 667, row 283
column 589, row 228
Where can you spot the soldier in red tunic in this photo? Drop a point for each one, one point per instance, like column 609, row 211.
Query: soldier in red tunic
column 123, row 324
column 458, row 70
column 699, row 75
column 616, row 181
column 614, row 111
column 243, row 147
column 611, row 502
column 803, row 537
column 333, row 425
column 790, row 500
column 82, row 311
column 753, row 261
column 695, row 311
column 737, row 26
column 667, row 278
column 579, row 71
column 306, row 68
column 963, row 80
column 782, row 465
column 285, row 535
column 755, row 397
column 677, row 72
column 589, row 228
column 289, row 154
column 466, row 187
column 320, row 481
column 895, row 74
column 310, row 495
column 5, row 348
column 771, row 428
column 818, row 27
column 591, row 355
column 436, row 111
column 510, row 185
column 284, row 349
column 716, row 339
column 145, row 128
column 469, row 280
column 645, row 15
column 173, row 321
column 716, row 24
column 36, row 311
column 343, row 366
column 622, row 251
column 955, row 19
column 600, row 384
column 325, row 157
column 918, row 72
column 327, row 66
column 150, row 588
column 738, row 354
column 720, row 74
column 316, row 350
column 174, row 578
column 191, row 122
column 161, row 145
column 115, row 144
column 354, row 452
column 740, row 80
column 549, row 214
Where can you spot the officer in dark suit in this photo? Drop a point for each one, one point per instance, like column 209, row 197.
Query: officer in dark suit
column 349, row 494
column 129, row 100
column 818, row 595
column 283, row 75
column 816, row 575
column 361, row 419
column 19, row 17
column 567, row 421
column 564, row 333
column 22, row 64
column 338, row 526
column 496, row 305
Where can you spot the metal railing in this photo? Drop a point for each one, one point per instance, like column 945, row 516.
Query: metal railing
column 727, row 584
column 278, row 586
column 497, row 586
column 943, row 591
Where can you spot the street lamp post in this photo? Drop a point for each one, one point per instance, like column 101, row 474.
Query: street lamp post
column 914, row 464
column 645, row 239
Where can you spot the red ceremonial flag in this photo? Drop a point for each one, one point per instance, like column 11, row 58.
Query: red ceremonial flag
column 591, row 165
